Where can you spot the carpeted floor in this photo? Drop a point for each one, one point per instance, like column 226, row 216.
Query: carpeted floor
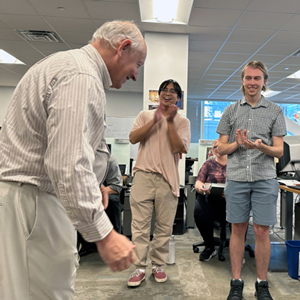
column 188, row 278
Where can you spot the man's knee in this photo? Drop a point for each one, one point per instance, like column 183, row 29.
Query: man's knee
column 239, row 229
column 261, row 231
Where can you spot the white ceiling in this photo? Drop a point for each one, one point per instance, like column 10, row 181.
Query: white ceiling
column 223, row 36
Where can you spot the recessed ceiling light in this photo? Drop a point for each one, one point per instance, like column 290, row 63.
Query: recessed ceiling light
column 295, row 75
column 166, row 11
column 6, row 58
column 61, row 8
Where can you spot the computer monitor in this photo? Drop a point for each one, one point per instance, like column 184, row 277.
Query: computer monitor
column 123, row 169
column 290, row 161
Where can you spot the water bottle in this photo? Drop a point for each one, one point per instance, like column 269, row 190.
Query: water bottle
column 171, row 256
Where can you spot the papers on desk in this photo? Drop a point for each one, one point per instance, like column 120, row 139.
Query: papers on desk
column 216, row 189
column 289, row 182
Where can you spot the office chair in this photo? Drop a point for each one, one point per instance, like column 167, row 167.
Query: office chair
column 203, row 213
column 221, row 242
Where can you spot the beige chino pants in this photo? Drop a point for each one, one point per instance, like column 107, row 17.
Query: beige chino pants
column 38, row 255
column 151, row 191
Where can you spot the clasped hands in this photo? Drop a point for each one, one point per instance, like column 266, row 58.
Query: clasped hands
column 171, row 112
column 241, row 139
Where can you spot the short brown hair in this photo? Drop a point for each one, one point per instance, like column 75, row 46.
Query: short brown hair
column 256, row 64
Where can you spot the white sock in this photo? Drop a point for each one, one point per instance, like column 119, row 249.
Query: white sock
column 259, row 280
column 142, row 270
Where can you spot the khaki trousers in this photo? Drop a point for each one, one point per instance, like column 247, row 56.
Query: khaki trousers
column 38, row 256
column 151, row 191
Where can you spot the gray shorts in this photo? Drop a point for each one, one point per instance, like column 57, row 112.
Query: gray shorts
column 260, row 196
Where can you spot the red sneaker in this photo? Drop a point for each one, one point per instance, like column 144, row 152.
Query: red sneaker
column 136, row 278
column 159, row 274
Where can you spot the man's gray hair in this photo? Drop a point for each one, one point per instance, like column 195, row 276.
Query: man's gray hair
column 115, row 32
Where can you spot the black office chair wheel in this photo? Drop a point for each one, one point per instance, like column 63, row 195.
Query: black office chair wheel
column 196, row 249
column 221, row 257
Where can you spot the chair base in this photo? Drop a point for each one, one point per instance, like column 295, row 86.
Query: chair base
column 221, row 244
column 217, row 242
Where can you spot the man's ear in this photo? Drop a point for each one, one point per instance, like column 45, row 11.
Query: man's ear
column 125, row 45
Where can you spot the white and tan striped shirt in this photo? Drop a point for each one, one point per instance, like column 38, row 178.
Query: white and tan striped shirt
column 53, row 135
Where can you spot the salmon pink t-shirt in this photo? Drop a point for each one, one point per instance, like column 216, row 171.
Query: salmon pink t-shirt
column 155, row 154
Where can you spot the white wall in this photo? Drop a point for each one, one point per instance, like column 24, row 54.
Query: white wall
column 120, row 104
column 117, row 104
column 5, row 97
column 193, row 151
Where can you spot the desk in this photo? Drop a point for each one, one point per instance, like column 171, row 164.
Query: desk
column 190, row 202
column 286, row 212
column 278, row 259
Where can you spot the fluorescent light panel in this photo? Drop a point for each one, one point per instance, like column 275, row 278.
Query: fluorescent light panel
column 166, row 11
column 6, row 58
column 270, row 93
column 295, row 75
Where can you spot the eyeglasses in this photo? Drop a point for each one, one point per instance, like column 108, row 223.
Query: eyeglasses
column 171, row 91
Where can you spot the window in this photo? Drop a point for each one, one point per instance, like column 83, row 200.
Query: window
column 292, row 111
column 205, row 128
column 213, row 111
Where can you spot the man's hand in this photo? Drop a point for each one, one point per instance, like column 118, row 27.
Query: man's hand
column 250, row 145
column 116, row 251
column 158, row 113
column 172, row 111
column 240, row 137
column 104, row 196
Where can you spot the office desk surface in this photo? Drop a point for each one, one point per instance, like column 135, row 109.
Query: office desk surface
column 289, row 189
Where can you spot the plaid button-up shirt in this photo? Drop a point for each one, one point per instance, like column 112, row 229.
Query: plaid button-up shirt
column 263, row 121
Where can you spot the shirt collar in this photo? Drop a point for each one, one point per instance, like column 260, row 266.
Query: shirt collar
column 262, row 102
column 101, row 67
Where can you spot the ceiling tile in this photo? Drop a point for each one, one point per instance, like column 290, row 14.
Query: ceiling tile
column 71, row 24
column 214, row 17
column 28, row 22
column 263, row 20
column 287, row 6
column 73, row 8
column 113, row 10
column 17, row 7
column 225, row 4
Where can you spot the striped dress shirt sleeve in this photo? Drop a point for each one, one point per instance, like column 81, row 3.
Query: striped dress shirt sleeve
column 52, row 136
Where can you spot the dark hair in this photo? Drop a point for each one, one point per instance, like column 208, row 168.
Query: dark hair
column 177, row 87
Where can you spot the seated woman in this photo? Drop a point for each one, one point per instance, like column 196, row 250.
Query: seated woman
column 208, row 208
